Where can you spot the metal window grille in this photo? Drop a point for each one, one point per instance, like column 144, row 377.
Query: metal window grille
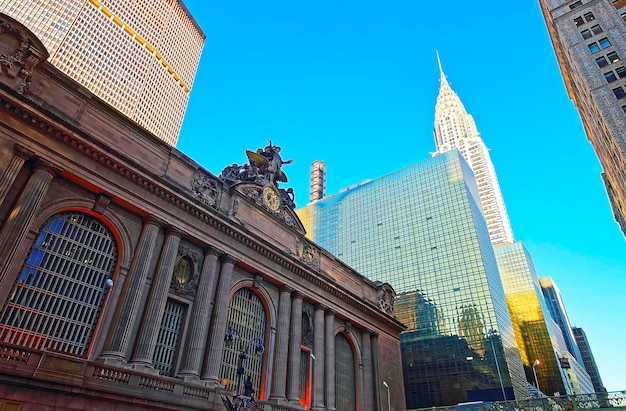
column 345, row 384
column 247, row 319
column 169, row 336
column 60, row 292
column 303, row 377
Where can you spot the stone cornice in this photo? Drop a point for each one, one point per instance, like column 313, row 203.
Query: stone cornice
column 89, row 146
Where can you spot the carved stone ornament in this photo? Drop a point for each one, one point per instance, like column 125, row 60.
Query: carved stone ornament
column 185, row 250
column 101, row 203
column 308, row 254
column 20, row 52
column 186, row 289
column 257, row 279
column 205, row 189
column 386, row 297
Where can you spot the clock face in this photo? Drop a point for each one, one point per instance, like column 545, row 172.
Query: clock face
column 271, row 199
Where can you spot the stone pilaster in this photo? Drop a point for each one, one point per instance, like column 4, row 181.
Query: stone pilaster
column 11, row 172
column 155, row 307
column 218, row 326
column 200, row 316
column 295, row 342
column 330, row 359
column 279, row 378
column 20, row 219
column 126, row 314
column 318, row 351
column 376, row 371
column 368, row 380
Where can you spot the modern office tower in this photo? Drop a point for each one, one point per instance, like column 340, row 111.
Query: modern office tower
column 139, row 56
column 590, row 46
column 588, row 360
column 578, row 377
column 455, row 129
column 536, row 333
column 422, row 230
column 559, row 314
column 317, row 185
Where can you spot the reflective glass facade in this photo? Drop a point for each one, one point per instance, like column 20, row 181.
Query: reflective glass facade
column 422, row 230
column 537, row 335
column 559, row 314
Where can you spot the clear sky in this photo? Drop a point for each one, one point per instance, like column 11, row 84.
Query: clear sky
column 354, row 83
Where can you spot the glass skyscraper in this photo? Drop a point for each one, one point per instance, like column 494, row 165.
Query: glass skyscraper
column 422, row 230
column 557, row 311
column 139, row 56
column 537, row 335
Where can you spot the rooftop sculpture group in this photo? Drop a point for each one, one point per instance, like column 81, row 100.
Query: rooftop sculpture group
column 265, row 169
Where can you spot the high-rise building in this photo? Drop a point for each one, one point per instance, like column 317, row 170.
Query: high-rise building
column 422, row 230
column 588, row 360
column 555, row 304
column 317, row 183
column 537, row 335
column 139, row 56
column 590, row 46
column 456, row 129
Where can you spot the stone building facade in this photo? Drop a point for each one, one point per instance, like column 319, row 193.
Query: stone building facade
column 133, row 279
column 589, row 40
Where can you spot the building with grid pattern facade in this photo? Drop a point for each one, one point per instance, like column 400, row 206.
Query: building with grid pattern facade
column 133, row 278
column 537, row 335
column 422, row 230
column 558, row 312
column 588, row 360
column 456, row 129
column 140, row 56
column 589, row 39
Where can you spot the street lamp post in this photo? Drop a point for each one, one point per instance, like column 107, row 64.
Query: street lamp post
column 535, row 364
column 243, row 355
column 388, row 396
column 491, row 333
column 313, row 380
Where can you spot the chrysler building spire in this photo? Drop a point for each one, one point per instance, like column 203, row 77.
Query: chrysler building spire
column 455, row 128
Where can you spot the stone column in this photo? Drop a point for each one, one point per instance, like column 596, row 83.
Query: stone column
column 218, row 327
column 318, row 351
column 126, row 314
column 330, row 359
column 200, row 316
column 19, row 221
column 295, row 342
column 279, row 377
column 157, row 299
column 368, row 372
column 377, row 383
column 11, row 172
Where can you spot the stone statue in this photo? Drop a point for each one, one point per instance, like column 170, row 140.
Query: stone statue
column 268, row 163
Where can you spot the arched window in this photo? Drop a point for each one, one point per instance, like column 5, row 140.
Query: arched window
column 247, row 321
column 57, row 300
column 345, row 377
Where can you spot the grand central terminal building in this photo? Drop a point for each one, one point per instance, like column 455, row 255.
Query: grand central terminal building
column 131, row 278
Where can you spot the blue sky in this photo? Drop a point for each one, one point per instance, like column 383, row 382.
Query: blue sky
column 354, row 84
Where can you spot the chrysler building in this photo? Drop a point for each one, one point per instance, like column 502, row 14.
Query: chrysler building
column 455, row 128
